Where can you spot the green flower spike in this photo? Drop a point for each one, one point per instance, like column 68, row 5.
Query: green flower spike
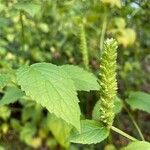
column 83, row 47
column 108, row 83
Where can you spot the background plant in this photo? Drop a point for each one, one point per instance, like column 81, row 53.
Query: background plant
column 35, row 31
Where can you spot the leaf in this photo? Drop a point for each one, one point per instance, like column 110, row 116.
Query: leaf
column 4, row 79
column 11, row 95
column 27, row 133
column 118, row 105
column 60, row 129
column 51, row 87
column 92, row 132
column 34, row 113
column 139, row 100
column 83, row 80
column 96, row 111
column 30, row 7
column 141, row 145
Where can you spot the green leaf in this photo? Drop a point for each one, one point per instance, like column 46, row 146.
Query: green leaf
column 34, row 113
column 92, row 132
column 51, row 87
column 139, row 100
column 60, row 129
column 11, row 95
column 83, row 80
column 96, row 111
column 27, row 133
column 30, row 7
column 141, row 145
column 118, row 105
column 4, row 79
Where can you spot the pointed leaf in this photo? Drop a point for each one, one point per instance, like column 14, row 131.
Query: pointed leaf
column 83, row 80
column 11, row 95
column 51, row 87
column 139, row 100
column 60, row 129
column 141, row 145
column 92, row 132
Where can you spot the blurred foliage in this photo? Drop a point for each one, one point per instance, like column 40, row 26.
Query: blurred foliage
column 47, row 30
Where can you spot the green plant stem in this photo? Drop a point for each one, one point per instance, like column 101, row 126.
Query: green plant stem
column 123, row 133
column 22, row 30
column 134, row 122
column 103, row 31
column 110, row 138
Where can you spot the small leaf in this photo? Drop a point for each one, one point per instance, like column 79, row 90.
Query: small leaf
column 34, row 113
column 83, row 80
column 96, row 111
column 118, row 105
column 11, row 95
column 60, row 129
column 31, row 8
column 27, row 133
column 139, row 100
column 141, row 145
column 51, row 87
column 92, row 132
column 117, row 108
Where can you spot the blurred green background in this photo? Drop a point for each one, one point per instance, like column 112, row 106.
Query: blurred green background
column 49, row 30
